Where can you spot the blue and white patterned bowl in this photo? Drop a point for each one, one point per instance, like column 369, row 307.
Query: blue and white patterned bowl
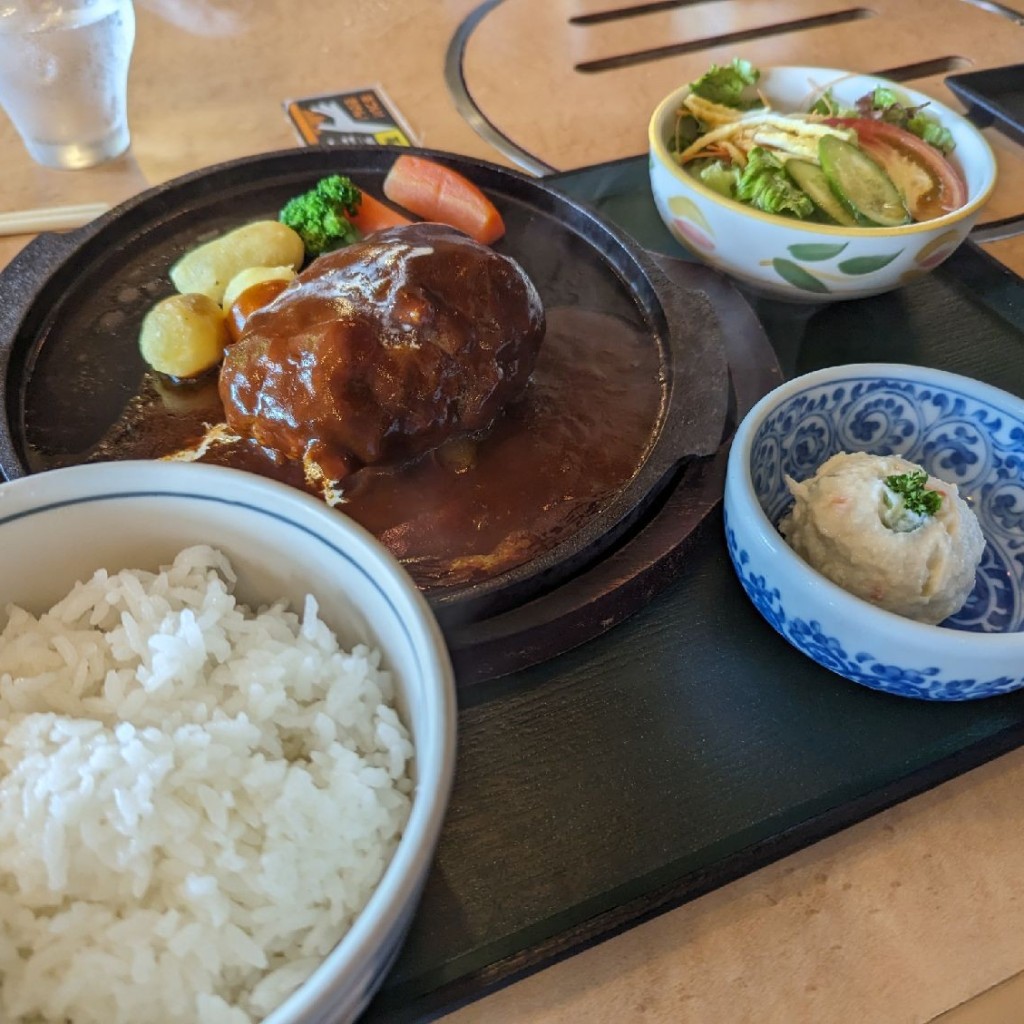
column 958, row 429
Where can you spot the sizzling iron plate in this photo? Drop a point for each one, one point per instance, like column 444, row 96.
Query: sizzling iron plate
column 72, row 306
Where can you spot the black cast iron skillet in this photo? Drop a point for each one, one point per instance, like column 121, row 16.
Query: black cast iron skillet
column 71, row 306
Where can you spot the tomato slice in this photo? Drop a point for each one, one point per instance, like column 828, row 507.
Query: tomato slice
column 929, row 182
column 435, row 192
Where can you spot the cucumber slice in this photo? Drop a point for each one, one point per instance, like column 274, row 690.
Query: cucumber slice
column 811, row 178
column 863, row 187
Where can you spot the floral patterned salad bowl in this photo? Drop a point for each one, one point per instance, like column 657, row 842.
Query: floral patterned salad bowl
column 961, row 431
column 808, row 260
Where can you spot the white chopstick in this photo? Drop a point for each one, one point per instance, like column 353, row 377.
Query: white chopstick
column 54, row 218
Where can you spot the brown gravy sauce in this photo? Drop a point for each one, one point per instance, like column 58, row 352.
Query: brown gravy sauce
column 476, row 506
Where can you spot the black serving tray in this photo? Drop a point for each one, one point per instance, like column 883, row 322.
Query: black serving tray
column 690, row 744
column 994, row 96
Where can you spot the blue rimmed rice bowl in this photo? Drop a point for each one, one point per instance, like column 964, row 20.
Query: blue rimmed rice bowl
column 62, row 526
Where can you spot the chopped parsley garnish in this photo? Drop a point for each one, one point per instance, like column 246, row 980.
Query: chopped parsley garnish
column 916, row 498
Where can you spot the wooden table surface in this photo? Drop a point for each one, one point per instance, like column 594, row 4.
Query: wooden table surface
column 898, row 919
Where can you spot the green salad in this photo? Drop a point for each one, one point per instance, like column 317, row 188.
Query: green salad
column 880, row 163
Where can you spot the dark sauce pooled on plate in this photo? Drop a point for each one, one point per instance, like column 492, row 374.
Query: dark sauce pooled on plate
column 479, row 504
column 416, row 382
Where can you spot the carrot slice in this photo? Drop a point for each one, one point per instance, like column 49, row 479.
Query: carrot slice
column 374, row 215
column 435, row 192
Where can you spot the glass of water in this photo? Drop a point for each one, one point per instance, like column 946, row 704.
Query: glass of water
column 64, row 77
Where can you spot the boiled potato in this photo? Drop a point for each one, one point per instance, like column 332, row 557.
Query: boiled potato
column 250, row 276
column 184, row 335
column 208, row 269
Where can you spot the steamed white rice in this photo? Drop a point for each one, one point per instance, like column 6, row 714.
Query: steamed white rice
column 196, row 799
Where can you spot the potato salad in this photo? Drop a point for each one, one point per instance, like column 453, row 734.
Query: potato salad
column 883, row 529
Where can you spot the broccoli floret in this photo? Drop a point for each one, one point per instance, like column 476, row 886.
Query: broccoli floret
column 321, row 215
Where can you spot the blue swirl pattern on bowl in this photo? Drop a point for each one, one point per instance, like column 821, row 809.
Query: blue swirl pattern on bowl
column 862, row 666
column 954, row 436
column 961, row 432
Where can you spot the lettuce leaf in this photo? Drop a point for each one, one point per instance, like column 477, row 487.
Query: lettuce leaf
column 725, row 85
column 828, row 106
column 883, row 104
column 765, row 185
column 686, row 131
column 883, row 98
column 931, row 131
column 721, row 177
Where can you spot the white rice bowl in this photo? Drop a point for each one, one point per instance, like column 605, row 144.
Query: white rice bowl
column 196, row 799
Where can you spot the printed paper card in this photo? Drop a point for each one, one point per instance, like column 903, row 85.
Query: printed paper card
column 363, row 117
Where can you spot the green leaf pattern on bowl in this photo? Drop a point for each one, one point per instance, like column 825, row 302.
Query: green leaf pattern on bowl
column 867, row 264
column 821, row 252
column 795, row 275
column 811, row 252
